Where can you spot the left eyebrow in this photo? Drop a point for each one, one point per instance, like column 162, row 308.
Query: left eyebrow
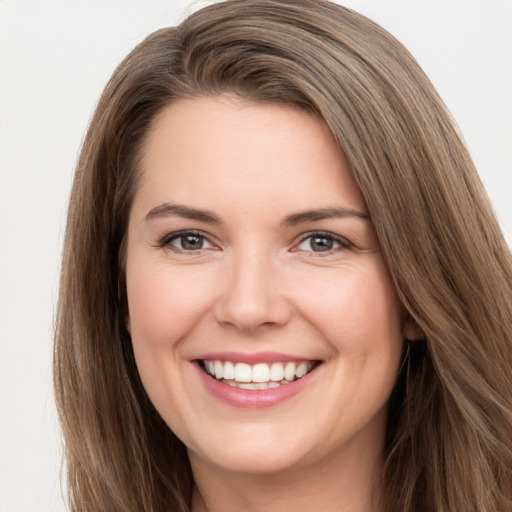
column 322, row 214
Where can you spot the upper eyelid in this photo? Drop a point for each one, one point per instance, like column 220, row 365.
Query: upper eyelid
column 169, row 237
column 349, row 245
column 166, row 239
column 327, row 234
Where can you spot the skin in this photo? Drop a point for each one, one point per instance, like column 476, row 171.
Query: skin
column 259, row 284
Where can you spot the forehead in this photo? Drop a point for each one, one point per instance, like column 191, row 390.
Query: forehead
column 225, row 152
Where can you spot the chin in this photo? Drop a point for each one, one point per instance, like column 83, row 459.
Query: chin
column 254, row 451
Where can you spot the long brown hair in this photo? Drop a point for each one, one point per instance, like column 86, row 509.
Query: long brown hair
column 449, row 433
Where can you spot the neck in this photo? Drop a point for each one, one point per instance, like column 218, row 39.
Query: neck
column 347, row 481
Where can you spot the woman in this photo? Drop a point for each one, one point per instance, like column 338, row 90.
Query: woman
column 283, row 285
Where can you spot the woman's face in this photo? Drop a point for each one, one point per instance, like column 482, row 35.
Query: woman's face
column 251, row 260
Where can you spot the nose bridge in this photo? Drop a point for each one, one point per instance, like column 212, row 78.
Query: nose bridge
column 251, row 297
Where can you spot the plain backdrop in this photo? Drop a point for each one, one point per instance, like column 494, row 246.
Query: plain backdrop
column 55, row 57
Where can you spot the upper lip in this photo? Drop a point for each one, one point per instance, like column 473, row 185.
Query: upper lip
column 253, row 358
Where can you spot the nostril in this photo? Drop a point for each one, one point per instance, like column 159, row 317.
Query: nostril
column 249, row 315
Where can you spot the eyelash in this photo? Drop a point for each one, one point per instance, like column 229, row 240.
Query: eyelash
column 167, row 239
column 343, row 243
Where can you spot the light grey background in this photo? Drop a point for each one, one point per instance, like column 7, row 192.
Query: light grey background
column 55, row 57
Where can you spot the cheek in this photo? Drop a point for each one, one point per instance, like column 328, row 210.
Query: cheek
column 356, row 310
column 164, row 305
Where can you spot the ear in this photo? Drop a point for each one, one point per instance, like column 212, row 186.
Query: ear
column 412, row 330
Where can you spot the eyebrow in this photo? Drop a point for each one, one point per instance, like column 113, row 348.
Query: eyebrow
column 322, row 214
column 167, row 209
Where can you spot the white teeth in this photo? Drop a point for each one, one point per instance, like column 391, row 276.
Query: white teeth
column 260, row 373
column 301, row 370
column 228, row 371
column 277, row 372
column 243, row 373
column 219, row 367
column 253, row 385
column 258, row 376
column 246, row 385
column 289, row 371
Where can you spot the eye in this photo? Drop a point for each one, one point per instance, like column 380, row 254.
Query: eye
column 322, row 243
column 186, row 241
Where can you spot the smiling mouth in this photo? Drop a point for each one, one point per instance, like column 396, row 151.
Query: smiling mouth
column 257, row 376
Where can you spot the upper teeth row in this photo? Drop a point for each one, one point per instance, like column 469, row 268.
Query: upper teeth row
column 261, row 372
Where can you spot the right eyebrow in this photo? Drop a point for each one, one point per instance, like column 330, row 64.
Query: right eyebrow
column 179, row 210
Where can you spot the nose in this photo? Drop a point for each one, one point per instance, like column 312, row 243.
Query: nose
column 252, row 299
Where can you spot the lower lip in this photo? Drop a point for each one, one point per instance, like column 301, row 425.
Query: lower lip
column 254, row 398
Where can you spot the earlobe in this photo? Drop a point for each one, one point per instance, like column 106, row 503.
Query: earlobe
column 127, row 324
column 412, row 330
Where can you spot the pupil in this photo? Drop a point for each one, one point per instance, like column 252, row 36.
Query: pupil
column 321, row 243
column 191, row 242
